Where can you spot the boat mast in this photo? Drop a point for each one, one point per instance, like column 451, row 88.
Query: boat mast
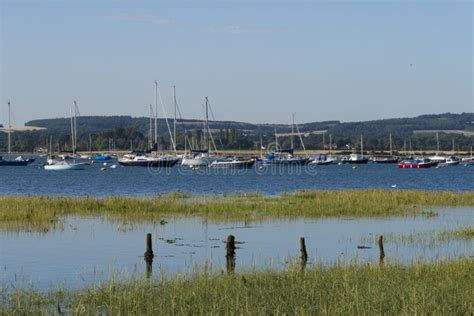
column 206, row 124
column 174, row 123
column 292, row 130
column 330, row 144
column 150, row 133
column 437, row 144
column 276, row 139
column 390, row 144
column 72, row 129
column 453, row 145
column 361, row 146
column 75, row 127
column 9, row 129
column 156, row 115
column 90, row 144
column 324, row 141
column 50, row 146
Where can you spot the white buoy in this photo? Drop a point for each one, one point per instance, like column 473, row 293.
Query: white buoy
column 394, row 186
column 105, row 164
column 113, row 166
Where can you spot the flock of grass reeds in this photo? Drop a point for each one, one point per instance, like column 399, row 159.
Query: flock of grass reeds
column 440, row 288
column 39, row 213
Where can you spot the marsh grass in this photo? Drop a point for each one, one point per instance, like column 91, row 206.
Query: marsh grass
column 438, row 288
column 39, row 213
column 426, row 238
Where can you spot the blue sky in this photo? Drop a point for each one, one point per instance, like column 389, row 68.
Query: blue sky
column 258, row 61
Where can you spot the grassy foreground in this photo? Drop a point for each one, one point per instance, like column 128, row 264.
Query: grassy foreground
column 41, row 213
column 441, row 288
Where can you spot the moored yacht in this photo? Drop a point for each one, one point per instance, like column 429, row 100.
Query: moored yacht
column 197, row 158
column 321, row 160
column 390, row 158
column 65, row 163
column 414, row 164
column 285, row 157
column 450, row 161
column 139, row 159
column 58, row 165
column 18, row 161
column 237, row 163
column 437, row 158
column 356, row 158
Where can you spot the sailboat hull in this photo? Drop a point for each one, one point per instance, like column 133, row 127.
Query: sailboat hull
column 233, row 164
column 385, row 160
column 149, row 163
column 359, row 161
column 61, row 167
column 287, row 162
column 13, row 163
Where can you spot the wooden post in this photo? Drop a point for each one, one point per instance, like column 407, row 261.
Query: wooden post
column 304, row 254
column 230, row 254
column 382, row 252
column 149, row 256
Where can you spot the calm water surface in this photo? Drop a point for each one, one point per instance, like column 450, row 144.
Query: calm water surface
column 142, row 181
column 83, row 251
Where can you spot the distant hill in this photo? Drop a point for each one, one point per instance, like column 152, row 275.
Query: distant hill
column 94, row 124
column 234, row 135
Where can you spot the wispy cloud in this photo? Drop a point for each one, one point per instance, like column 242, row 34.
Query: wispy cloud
column 146, row 18
column 238, row 29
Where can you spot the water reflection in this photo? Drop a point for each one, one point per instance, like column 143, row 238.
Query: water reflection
column 83, row 250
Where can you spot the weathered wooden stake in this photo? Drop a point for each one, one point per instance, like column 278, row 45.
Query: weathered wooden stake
column 230, row 253
column 382, row 252
column 149, row 256
column 304, row 254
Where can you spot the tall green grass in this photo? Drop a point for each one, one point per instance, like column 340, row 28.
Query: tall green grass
column 41, row 213
column 441, row 288
column 429, row 238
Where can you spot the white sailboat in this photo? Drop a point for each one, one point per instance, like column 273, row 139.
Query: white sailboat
column 355, row 158
column 200, row 157
column 60, row 165
column 436, row 158
column 468, row 160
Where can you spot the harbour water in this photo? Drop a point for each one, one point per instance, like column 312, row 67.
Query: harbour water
column 84, row 251
column 136, row 181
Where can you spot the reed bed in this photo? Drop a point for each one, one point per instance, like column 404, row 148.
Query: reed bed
column 39, row 213
column 436, row 288
column 429, row 238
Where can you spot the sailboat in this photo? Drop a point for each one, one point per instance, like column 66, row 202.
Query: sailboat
column 436, row 158
column 356, row 158
column 200, row 157
column 18, row 161
column 59, row 165
column 286, row 156
column 390, row 158
column 451, row 160
column 468, row 160
column 139, row 158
